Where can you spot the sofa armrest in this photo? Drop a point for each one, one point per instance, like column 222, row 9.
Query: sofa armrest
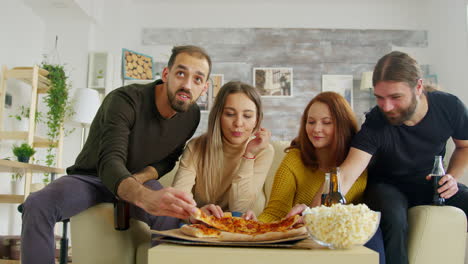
column 437, row 234
column 94, row 239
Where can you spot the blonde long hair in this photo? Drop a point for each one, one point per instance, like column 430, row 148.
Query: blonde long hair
column 210, row 144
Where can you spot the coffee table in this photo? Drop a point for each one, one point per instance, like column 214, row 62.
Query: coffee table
column 183, row 254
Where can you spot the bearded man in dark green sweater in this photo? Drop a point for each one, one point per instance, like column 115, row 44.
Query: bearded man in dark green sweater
column 137, row 135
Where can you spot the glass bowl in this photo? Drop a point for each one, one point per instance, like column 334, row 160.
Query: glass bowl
column 341, row 226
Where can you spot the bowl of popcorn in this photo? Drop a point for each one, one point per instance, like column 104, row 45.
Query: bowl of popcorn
column 341, row 226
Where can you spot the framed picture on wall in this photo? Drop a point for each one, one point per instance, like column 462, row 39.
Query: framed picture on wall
column 431, row 79
column 136, row 66
column 273, row 82
column 98, row 70
column 216, row 81
column 342, row 84
column 205, row 102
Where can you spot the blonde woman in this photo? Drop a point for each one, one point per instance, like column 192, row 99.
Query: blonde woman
column 225, row 168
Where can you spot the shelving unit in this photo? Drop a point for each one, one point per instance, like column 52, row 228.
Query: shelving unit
column 37, row 79
column 9, row 261
column 26, row 168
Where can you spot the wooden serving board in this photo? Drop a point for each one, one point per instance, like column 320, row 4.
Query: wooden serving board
column 177, row 237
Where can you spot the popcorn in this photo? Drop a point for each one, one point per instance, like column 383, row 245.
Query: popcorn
column 341, row 226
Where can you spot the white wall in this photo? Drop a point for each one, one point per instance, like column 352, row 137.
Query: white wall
column 448, row 44
column 445, row 22
column 119, row 25
column 21, row 37
column 25, row 36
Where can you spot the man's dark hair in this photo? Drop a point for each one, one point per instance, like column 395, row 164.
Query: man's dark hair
column 191, row 50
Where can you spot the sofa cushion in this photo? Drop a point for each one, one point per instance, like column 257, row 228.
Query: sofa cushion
column 279, row 147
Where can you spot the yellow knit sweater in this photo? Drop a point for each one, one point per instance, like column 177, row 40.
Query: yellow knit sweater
column 295, row 183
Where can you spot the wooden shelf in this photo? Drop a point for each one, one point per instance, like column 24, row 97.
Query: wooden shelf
column 39, row 142
column 36, row 77
column 9, row 261
column 11, row 198
column 25, row 74
column 27, row 169
column 13, row 166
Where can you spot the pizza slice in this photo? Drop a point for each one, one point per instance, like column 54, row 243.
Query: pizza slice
column 199, row 230
column 242, row 226
column 203, row 231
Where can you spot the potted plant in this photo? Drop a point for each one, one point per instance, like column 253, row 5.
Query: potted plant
column 58, row 102
column 23, row 152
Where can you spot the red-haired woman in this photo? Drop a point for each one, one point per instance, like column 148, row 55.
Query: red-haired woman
column 327, row 127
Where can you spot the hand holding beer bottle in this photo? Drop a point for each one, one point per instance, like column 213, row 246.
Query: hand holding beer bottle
column 436, row 174
column 334, row 195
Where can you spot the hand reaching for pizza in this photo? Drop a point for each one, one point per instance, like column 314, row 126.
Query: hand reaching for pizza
column 209, row 209
column 167, row 202
column 262, row 138
column 297, row 209
column 249, row 215
column 163, row 202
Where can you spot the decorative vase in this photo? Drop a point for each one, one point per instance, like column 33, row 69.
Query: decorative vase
column 20, row 125
column 16, row 186
column 100, row 83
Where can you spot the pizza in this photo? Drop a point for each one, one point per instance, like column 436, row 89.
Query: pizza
column 200, row 230
column 229, row 228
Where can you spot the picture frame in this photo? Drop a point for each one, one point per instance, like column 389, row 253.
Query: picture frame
column 206, row 101
column 216, row 81
column 136, row 65
column 98, row 70
column 273, row 82
column 342, row 84
column 431, row 79
column 203, row 101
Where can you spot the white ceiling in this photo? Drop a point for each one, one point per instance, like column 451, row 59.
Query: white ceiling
column 58, row 9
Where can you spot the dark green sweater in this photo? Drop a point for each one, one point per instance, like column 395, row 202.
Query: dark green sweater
column 128, row 133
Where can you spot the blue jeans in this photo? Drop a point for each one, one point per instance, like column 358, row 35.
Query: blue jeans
column 376, row 244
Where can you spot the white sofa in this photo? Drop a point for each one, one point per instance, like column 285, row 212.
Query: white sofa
column 437, row 234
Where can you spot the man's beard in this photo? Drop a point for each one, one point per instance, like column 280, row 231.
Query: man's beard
column 178, row 105
column 404, row 114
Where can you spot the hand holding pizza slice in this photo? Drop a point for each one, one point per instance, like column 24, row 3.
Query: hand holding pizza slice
column 209, row 209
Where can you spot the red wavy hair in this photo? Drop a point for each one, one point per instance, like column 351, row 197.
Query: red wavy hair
column 345, row 124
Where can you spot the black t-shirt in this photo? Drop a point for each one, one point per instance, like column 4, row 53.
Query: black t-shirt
column 128, row 133
column 405, row 154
